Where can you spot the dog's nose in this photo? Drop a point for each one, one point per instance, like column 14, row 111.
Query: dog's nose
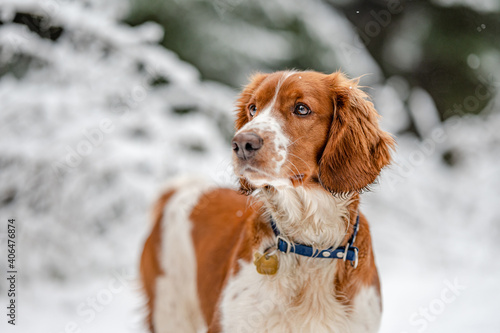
column 246, row 144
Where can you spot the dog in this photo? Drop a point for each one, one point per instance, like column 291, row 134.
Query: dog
column 289, row 251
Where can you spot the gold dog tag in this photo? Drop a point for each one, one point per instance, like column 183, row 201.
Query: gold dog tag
column 266, row 264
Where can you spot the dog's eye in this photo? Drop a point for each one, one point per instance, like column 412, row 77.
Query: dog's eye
column 301, row 110
column 252, row 109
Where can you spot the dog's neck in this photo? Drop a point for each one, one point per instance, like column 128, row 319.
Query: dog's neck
column 310, row 216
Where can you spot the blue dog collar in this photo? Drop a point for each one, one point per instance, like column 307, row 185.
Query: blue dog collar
column 348, row 252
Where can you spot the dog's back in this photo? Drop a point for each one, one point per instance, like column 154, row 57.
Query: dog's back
column 185, row 260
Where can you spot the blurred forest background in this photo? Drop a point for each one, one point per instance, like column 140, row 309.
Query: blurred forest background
column 103, row 101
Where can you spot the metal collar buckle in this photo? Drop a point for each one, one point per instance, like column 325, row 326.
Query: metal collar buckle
column 346, row 250
column 354, row 263
column 286, row 241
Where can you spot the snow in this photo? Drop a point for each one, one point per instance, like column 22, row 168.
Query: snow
column 431, row 223
column 478, row 5
column 87, row 143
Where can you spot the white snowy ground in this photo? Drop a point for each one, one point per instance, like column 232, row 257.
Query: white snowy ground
column 87, row 143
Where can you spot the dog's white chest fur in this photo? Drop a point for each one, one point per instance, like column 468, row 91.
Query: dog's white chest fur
column 299, row 299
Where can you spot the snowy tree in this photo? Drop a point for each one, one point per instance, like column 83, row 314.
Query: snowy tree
column 95, row 115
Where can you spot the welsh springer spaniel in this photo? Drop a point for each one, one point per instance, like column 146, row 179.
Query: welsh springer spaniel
column 291, row 252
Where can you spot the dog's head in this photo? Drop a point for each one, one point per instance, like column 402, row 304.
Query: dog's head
column 306, row 128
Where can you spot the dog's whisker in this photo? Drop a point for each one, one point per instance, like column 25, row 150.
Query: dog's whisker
column 308, row 166
column 295, row 141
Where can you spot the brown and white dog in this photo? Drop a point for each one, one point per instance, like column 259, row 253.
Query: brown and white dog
column 306, row 145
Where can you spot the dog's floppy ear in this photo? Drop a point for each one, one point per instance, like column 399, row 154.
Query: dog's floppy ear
column 242, row 117
column 357, row 149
